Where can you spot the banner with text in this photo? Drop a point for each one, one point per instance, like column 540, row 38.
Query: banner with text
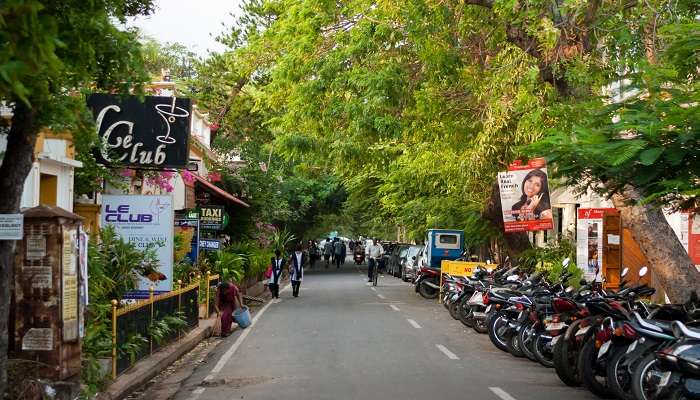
column 525, row 197
column 589, row 242
column 148, row 222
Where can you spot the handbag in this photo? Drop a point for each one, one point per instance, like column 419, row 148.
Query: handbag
column 216, row 328
column 268, row 272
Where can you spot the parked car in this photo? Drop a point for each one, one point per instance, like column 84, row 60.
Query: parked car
column 394, row 259
column 410, row 266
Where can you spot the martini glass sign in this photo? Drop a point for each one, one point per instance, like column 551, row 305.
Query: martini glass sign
column 170, row 116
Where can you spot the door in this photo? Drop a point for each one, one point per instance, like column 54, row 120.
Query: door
column 612, row 248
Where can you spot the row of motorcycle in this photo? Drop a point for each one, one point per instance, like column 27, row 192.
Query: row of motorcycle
column 614, row 343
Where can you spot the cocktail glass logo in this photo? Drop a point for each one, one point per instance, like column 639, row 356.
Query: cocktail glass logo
column 159, row 207
column 169, row 116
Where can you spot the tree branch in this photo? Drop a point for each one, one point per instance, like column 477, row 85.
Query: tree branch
column 482, row 3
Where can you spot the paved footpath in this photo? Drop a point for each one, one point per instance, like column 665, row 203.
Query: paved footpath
column 343, row 339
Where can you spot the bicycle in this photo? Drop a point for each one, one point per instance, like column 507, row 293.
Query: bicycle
column 375, row 272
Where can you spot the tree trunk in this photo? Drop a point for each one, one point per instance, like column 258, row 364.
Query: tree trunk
column 515, row 243
column 13, row 171
column 667, row 258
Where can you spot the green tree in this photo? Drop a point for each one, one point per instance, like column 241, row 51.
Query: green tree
column 50, row 52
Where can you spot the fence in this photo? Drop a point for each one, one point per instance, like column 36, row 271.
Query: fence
column 140, row 329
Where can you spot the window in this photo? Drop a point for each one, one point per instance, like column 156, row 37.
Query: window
column 447, row 239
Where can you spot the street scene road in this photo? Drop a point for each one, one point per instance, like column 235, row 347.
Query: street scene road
column 344, row 339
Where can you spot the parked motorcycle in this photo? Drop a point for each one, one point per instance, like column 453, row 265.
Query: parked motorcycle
column 428, row 282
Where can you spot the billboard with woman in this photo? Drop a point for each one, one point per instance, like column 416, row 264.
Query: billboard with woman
column 525, row 196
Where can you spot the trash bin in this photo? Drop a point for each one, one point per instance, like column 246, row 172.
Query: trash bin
column 242, row 317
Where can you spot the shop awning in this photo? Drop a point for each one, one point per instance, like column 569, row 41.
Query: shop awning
column 219, row 192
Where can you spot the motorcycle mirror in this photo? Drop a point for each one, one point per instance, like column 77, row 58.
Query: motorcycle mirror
column 643, row 271
column 569, row 289
column 566, row 261
column 624, row 272
column 414, row 257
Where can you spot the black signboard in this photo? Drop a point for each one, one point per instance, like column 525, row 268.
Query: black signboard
column 151, row 134
column 211, row 217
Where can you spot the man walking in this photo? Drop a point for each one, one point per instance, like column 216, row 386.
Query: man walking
column 327, row 251
column 374, row 252
column 296, row 269
column 277, row 262
column 338, row 251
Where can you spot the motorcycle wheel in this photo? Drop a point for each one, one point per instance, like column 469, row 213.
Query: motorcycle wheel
column 565, row 355
column 480, row 326
column 465, row 312
column 587, row 363
column 539, row 347
column 512, row 343
column 496, row 326
column 525, row 342
column 454, row 310
column 427, row 292
column 619, row 374
column 644, row 388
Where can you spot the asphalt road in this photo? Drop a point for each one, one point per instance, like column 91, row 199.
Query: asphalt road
column 343, row 339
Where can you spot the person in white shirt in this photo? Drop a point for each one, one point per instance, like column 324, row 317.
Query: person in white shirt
column 373, row 252
column 296, row 269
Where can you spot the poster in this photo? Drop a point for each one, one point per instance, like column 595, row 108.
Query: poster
column 148, row 222
column 38, row 339
column 11, row 226
column 694, row 238
column 525, row 197
column 189, row 230
column 69, row 295
column 589, row 242
column 36, row 247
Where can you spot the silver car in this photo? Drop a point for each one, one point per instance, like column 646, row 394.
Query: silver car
column 410, row 262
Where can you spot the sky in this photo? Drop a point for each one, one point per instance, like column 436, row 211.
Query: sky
column 189, row 22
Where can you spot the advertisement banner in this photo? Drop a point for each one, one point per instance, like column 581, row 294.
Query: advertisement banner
column 694, row 238
column 589, row 242
column 211, row 217
column 525, row 197
column 153, row 133
column 189, row 230
column 148, row 222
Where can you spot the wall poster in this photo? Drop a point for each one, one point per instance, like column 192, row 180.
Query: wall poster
column 589, row 242
column 525, row 197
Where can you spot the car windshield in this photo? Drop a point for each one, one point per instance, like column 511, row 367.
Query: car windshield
column 413, row 250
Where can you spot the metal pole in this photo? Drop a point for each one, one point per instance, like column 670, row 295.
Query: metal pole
column 114, row 339
column 179, row 306
column 150, row 299
column 206, row 313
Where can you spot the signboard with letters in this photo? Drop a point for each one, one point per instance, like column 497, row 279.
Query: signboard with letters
column 210, row 244
column 148, row 222
column 211, row 217
column 154, row 133
column 525, row 197
column 589, row 242
column 11, row 226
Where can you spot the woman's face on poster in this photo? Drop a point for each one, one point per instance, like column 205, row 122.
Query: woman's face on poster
column 532, row 186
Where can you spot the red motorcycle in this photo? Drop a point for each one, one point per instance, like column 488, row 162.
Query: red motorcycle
column 428, row 282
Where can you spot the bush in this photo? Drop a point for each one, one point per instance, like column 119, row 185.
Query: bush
column 548, row 260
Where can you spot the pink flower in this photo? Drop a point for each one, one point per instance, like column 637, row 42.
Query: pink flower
column 214, row 177
column 188, row 177
column 127, row 173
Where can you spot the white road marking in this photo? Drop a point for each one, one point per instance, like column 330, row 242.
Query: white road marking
column 501, row 393
column 373, row 289
column 196, row 393
column 413, row 323
column 381, row 296
column 393, row 307
column 229, row 353
column 448, row 353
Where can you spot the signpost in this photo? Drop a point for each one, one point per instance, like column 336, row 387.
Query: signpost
column 11, row 226
column 148, row 222
column 210, row 244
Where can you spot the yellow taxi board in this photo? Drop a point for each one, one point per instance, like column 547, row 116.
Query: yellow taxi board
column 463, row 268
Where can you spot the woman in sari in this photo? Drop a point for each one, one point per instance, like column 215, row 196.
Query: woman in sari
column 228, row 299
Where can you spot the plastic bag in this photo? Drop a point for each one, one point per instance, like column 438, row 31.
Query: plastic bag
column 216, row 328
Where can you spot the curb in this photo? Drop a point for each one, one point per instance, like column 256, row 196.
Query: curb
column 145, row 370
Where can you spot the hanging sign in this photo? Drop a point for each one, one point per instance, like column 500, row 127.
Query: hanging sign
column 211, row 217
column 189, row 228
column 11, row 226
column 525, row 197
column 148, row 222
column 694, row 238
column 589, row 242
column 150, row 134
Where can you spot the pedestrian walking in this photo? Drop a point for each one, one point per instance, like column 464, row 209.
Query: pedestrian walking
column 338, row 251
column 313, row 253
column 327, row 251
column 296, row 269
column 277, row 263
column 228, row 299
